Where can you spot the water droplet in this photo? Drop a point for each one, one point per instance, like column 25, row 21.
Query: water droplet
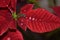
column 33, row 18
column 24, row 10
column 8, row 38
column 21, row 23
column 29, row 18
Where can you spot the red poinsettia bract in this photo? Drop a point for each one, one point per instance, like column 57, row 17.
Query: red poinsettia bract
column 41, row 20
column 37, row 20
column 57, row 10
column 12, row 35
column 6, row 21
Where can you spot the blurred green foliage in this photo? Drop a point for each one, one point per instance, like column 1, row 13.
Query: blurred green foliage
column 54, row 35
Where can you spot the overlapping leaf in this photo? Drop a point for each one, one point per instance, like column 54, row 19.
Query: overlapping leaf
column 12, row 35
column 8, row 3
column 5, row 14
column 13, row 4
column 4, row 3
column 24, row 9
column 41, row 20
column 9, row 21
column 6, row 21
column 37, row 20
column 57, row 10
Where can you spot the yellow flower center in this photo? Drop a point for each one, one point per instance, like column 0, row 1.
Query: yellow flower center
column 14, row 15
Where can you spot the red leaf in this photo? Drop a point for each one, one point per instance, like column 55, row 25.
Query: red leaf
column 12, row 24
column 22, row 24
column 8, row 3
column 13, row 35
column 4, row 3
column 57, row 10
column 13, row 4
column 6, row 21
column 3, row 25
column 41, row 20
column 26, row 8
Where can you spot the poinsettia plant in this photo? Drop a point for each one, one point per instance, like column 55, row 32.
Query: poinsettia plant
column 37, row 20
